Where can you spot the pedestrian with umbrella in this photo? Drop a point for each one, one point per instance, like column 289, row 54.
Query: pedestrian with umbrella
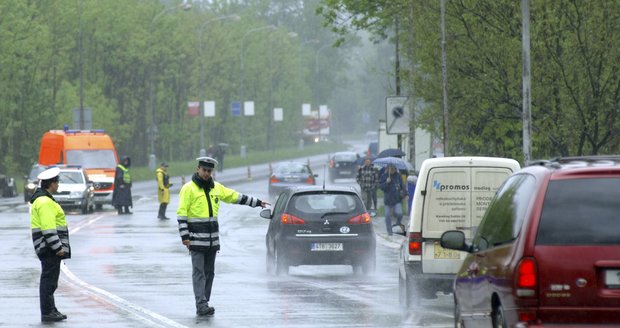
column 394, row 191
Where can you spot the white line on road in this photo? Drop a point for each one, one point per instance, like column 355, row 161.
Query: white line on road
column 149, row 317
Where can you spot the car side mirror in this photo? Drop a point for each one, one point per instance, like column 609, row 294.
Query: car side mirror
column 454, row 239
column 266, row 213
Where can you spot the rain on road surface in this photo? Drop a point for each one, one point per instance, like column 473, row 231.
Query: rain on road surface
column 132, row 271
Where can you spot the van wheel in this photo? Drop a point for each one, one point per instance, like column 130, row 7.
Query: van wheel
column 458, row 320
column 406, row 293
column 499, row 321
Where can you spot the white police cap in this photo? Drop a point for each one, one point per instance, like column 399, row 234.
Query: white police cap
column 206, row 161
column 49, row 174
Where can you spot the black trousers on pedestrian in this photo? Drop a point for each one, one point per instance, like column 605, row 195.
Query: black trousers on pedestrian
column 50, row 271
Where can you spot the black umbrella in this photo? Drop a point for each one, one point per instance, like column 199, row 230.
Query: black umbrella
column 391, row 152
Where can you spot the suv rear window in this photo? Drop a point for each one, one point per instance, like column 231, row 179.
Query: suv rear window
column 581, row 212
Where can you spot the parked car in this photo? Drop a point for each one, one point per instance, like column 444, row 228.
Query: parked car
column 547, row 252
column 343, row 165
column 288, row 174
column 451, row 193
column 31, row 182
column 7, row 186
column 75, row 190
column 319, row 226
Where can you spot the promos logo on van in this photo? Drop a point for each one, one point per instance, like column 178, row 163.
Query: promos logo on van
column 449, row 187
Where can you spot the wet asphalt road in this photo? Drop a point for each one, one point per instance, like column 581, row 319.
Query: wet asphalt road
column 132, row 271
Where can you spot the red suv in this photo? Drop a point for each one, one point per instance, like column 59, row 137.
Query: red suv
column 547, row 251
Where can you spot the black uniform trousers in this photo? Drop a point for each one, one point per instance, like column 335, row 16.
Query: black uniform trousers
column 203, row 272
column 50, row 271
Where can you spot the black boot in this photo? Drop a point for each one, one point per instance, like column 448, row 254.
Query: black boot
column 119, row 210
column 162, row 212
column 127, row 210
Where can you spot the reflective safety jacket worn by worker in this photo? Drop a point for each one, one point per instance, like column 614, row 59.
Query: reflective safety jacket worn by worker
column 199, row 203
column 49, row 225
column 163, row 183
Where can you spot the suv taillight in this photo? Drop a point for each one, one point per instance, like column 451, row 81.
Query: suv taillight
column 527, row 277
column 360, row 219
column 415, row 243
column 291, row 219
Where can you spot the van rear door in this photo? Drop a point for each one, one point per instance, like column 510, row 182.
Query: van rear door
column 456, row 200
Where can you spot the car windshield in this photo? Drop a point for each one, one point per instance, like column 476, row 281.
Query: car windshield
column 311, row 203
column 71, row 177
column 345, row 157
column 581, row 212
column 92, row 159
column 292, row 168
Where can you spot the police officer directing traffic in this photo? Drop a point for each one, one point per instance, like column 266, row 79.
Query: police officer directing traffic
column 50, row 236
column 199, row 202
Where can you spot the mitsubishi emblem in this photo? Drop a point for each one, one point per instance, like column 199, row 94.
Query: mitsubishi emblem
column 326, row 222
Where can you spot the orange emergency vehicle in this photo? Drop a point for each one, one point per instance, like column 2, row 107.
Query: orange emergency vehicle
column 93, row 150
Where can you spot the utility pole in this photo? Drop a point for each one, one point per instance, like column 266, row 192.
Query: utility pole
column 81, row 69
column 444, row 78
column 397, row 70
column 412, row 102
column 527, row 100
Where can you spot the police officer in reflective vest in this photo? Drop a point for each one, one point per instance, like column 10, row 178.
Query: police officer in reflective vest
column 163, row 190
column 199, row 201
column 50, row 236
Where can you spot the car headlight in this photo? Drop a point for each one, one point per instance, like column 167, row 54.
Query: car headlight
column 31, row 186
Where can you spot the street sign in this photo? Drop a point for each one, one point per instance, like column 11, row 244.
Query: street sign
column 193, row 108
column 235, row 108
column 88, row 118
column 306, row 110
column 397, row 115
column 248, row 108
column 209, row 108
column 278, row 115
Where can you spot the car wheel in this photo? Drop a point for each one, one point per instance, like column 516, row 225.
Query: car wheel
column 499, row 321
column 271, row 263
column 280, row 263
column 458, row 320
column 370, row 265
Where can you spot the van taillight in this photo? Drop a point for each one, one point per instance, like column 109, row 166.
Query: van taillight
column 360, row 219
column 527, row 277
column 415, row 243
column 291, row 219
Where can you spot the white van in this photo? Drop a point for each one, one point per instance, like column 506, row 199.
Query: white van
column 452, row 193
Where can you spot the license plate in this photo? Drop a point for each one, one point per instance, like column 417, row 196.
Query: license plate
column 446, row 254
column 329, row 247
column 612, row 278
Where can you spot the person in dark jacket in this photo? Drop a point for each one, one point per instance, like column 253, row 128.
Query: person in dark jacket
column 394, row 191
column 50, row 236
column 121, row 196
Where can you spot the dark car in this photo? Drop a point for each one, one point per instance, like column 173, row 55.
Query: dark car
column 7, row 186
column 31, row 182
column 288, row 174
column 75, row 190
column 547, row 251
column 343, row 165
column 316, row 226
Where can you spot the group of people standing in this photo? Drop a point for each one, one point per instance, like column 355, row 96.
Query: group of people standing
column 197, row 216
column 394, row 190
